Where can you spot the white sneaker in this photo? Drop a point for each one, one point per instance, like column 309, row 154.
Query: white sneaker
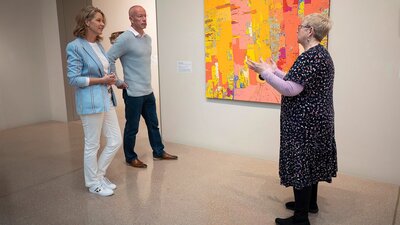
column 100, row 190
column 105, row 182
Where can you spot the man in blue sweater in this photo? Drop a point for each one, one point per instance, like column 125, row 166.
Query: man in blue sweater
column 133, row 48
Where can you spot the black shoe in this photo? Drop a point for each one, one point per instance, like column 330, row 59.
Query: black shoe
column 291, row 205
column 291, row 221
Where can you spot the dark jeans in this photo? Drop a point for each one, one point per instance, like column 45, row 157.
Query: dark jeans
column 134, row 108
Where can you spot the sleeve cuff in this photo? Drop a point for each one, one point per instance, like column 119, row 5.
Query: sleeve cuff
column 87, row 81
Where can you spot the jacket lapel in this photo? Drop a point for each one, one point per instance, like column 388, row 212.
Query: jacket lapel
column 89, row 50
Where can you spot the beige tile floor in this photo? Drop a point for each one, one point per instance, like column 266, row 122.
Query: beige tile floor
column 41, row 181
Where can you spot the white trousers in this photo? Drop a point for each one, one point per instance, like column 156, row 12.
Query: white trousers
column 93, row 126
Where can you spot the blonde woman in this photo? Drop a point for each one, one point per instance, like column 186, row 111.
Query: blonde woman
column 88, row 72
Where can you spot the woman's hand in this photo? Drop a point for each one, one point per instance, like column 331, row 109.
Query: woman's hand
column 109, row 79
column 272, row 64
column 262, row 66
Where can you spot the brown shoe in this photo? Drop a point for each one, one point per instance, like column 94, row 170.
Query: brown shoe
column 137, row 163
column 166, row 156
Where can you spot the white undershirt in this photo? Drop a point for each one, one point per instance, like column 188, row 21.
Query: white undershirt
column 101, row 56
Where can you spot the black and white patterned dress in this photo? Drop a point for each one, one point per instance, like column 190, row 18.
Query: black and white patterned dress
column 307, row 146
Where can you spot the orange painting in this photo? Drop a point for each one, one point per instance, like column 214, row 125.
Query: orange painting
column 237, row 30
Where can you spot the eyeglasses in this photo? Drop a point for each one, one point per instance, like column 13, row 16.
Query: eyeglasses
column 303, row 26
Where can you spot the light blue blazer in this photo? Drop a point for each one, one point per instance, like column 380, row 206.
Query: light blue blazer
column 82, row 62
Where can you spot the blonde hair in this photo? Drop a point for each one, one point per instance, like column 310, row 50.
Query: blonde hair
column 320, row 23
column 84, row 15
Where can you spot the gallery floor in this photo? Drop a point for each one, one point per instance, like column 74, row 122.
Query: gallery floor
column 41, row 179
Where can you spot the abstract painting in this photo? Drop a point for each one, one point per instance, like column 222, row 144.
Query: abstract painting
column 237, row 30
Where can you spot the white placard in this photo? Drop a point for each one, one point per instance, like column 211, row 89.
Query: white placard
column 184, row 66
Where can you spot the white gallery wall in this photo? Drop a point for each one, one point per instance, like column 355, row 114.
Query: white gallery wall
column 365, row 46
column 31, row 83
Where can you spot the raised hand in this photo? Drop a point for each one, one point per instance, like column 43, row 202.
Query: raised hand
column 273, row 65
column 260, row 67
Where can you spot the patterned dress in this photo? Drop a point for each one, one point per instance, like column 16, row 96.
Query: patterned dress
column 307, row 146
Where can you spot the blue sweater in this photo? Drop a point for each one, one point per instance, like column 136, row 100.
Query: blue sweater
column 135, row 55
